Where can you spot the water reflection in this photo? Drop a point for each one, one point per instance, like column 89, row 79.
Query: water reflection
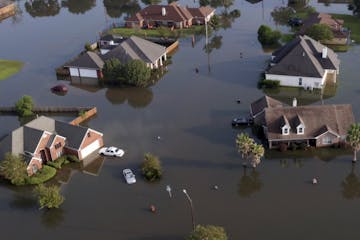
column 42, row 8
column 136, row 97
column 52, row 218
column 250, row 183
column 23, row 200
column 78, row 6
column 351, row 185
column 254, row 1
column 298, row 4
column 116, row 8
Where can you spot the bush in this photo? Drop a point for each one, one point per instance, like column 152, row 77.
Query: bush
column 208, row 232
column 320, row 32
column 88, row 47
column 112, row 70
column 151, row 167
column 269, row 83
column 49, row 197
column 267, row 36
column 58, row 162
column 25, row 106
column 42, row 175
column 135, row 72
column 293, row 146
column 72, row 158
column 13, row 168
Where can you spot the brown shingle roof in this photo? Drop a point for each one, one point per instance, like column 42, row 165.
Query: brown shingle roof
column 200, row 12
column 316, row 119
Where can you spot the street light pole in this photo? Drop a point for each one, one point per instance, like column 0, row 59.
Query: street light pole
column 191, row 208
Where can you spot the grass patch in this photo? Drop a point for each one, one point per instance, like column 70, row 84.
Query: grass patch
column 352, row 23
column 339, row 48
column 8, row 68
column 158, row 32
column 43, row 175
column 305, row 12
column 285, row 38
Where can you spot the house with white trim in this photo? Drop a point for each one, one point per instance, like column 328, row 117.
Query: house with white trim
column 304, row 63
column 46, row 139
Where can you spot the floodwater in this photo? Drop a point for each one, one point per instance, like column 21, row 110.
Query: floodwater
column 191, row 112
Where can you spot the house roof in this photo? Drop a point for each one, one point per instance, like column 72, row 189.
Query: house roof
column 201, row 12
column 87, row 60
column 303, row 57
column 31, row 138
column 264, row 102
column 174, row 12
column 316, row 119
column 324, row 18
column 111, row 37
column 136, row 48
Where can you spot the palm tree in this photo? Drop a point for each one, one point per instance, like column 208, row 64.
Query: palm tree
column 244, row 144
column 353, row 138
column 257, row 151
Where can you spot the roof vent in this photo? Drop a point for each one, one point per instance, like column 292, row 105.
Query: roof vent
column 324, row 52
column 163, row 11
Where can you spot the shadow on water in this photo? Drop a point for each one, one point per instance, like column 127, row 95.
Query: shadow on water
column 78, row 6
column 250, row 183
column 24, row 200
column 351, row 185
column 116, row 8
column 52, row 218
column 135, row 97
column 42, row 8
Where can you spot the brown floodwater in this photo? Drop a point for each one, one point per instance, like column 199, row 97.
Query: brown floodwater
column 191, row 112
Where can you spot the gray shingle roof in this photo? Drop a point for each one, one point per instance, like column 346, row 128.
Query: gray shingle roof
column 87, row 60
column 259, row 105
column 303, row 57
column 74, row 134
column 136, row 48
column 31, row 138
column 316, row 119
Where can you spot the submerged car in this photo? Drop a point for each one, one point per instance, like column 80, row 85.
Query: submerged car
column 241, row 121
column 129, row 176
column 111, row 151
column 295, row 22
column 61, row 88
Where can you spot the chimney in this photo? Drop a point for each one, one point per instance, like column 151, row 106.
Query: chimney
column 294, row 103
column 163, row 11
column 324, row 52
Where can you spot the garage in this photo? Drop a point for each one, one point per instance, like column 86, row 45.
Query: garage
column 90, row 149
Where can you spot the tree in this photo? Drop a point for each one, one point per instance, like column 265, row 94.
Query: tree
column 244, row 144
column 112, row 69
column 135, row 72
column 151, row 167
column 25, row 106
column 320, row 32
column 355, row 7
column 208, row 232
column 353, row 138
column 13, row 168
column 249, row 150
column 267, row 36
column 49, row 197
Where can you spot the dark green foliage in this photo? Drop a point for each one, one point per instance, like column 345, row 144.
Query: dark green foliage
column 214, row 22
column 78, row 6
column 112, row 69
column 267, row 36
column 49, row 197
column 269, row 83
column 42, row 175
column 88, row 47
column 208, row 232
column 25, row 106
column 282, row 15
column 72, row 158
column 320, row 32
column 116, row 8
column 59, row 162
column 135, row 72
column 204, row 2
column 151, row 167
column 13, row 168
column 355, row 7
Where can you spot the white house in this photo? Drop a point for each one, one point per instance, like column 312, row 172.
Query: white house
column 303, row 62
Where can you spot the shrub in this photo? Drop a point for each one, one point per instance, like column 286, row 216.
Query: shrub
column 135, row 72
column 151, row 167
column 269, row 83
column 42, row 175
column 208, row 232
column 112, row 69
column 293, row 146
column 24, row 106
column 49, row 197
column 13, row 168
column 88, row 47
column 72, row 158
column 320, row 32
column 267, row 36
column 58, row 162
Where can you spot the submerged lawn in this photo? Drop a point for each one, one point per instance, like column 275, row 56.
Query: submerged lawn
column 8, row 68
column 352, row 23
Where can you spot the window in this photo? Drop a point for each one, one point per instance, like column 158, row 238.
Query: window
column 58, row 145
column 300, row 81
column 300, row 130
column 285, row 131
column 326, row 140
column 88, row 134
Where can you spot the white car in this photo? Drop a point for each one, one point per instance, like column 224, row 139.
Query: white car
column 129, row 176
column 111, row 151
